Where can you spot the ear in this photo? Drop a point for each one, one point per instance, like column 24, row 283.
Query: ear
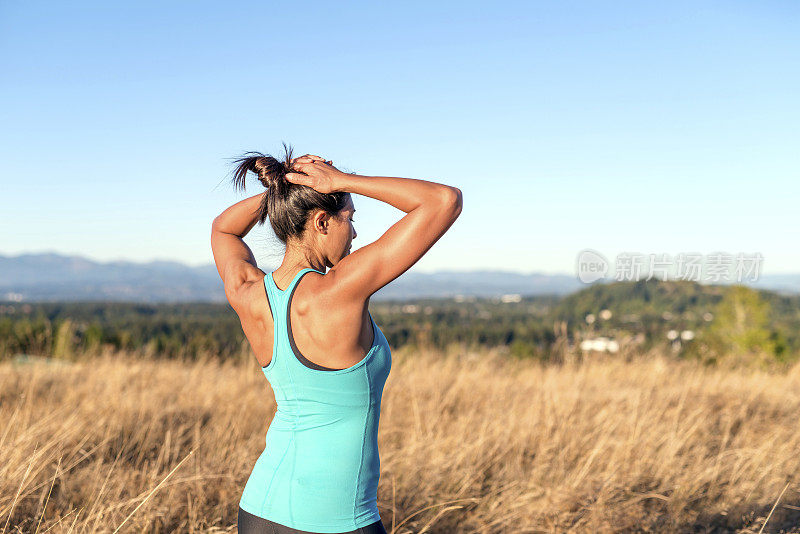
column 321, row 221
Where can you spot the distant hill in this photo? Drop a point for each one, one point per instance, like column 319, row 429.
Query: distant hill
column 642, row 302
column 788, row 284
column 56, row 277
column 479, row 284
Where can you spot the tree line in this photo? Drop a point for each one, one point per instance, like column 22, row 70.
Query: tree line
column 726, row 320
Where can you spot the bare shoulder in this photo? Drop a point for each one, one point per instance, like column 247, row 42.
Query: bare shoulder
column 250, row 302
column 329, row 290
column 337, row 287
column 323, row 297
column 256, row 319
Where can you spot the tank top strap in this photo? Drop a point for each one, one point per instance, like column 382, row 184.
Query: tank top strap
column 273, row 299
column 296, row 280
column 279, row 298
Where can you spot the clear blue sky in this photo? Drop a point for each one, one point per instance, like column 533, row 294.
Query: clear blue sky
column 654, row 127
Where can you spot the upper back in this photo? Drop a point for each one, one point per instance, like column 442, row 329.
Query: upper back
column 284, row 345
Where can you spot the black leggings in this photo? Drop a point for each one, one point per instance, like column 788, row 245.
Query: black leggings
column 248, row 523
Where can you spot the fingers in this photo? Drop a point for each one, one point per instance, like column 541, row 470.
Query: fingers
column 308, row 164
column 305, row 165
column 307, row 159
column 302, row 165
column 299, row 164
column 311, row 157
column 296, row 178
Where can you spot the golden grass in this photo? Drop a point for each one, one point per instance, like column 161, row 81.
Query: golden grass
column 481, row 444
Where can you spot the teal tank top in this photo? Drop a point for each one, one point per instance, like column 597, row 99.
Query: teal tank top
column 320, row 468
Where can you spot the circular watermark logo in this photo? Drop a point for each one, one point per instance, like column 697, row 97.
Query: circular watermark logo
column 591, row 266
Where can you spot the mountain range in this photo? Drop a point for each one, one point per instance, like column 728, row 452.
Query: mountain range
column 56, row 277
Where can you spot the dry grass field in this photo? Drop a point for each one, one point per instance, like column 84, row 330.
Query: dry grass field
column 480, row 444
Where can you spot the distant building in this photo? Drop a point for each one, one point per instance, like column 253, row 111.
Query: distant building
column 672, row 335
column 600, row 344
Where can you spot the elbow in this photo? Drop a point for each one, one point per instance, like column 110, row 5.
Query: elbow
column 215, row 224
column 459, row 202
column 452, row 200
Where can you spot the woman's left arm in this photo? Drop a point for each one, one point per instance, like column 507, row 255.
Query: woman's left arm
column 235, row 261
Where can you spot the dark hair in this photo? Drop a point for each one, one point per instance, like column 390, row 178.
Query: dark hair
column 286, row 204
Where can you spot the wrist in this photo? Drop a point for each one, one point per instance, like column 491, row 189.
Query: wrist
column 341, row 182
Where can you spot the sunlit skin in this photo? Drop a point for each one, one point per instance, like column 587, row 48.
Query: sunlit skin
column 329, row 313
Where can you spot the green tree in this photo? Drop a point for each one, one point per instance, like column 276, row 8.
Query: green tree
column 741, row 331
column 64, row 342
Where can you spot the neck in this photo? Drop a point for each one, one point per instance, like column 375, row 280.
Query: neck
column 296, row 259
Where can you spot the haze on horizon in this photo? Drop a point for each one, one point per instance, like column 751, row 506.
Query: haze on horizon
column 659, row 128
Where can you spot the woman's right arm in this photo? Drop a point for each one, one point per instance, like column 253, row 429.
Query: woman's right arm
column 431, row 209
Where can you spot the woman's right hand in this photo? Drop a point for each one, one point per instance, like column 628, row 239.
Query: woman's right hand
column 319, row 174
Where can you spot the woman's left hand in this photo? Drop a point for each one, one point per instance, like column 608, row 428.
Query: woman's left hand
column 317, row 174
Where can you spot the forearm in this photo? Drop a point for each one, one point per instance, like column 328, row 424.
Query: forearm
column 405, row 194
column 240, row 218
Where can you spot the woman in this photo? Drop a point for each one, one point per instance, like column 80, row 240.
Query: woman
column 309, row 325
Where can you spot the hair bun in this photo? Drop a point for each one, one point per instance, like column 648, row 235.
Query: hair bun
column 269, row 171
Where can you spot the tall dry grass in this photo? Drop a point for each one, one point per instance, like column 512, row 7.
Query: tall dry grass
column 481, row 444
